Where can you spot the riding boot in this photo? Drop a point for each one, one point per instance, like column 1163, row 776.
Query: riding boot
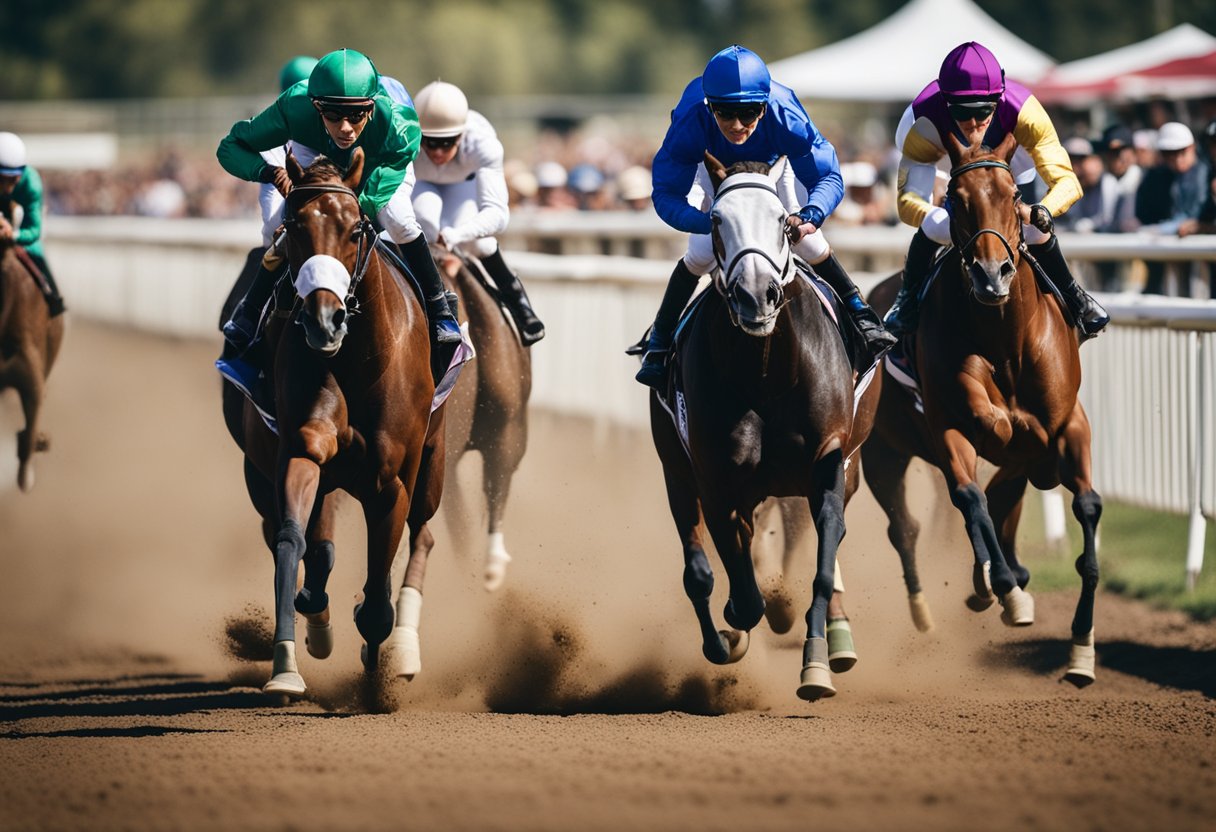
column 1088, row 315
column 654, row 363
column 417, row 256
column 54, row 300
column 877, row 339
column 905, row 310
column 513, row 294
column 242, row 328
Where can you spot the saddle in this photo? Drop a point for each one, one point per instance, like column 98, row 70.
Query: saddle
column 32, row 267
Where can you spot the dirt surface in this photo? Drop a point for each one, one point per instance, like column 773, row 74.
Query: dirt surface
column 575, row 698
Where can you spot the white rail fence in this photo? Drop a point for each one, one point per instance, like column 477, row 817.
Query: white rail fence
column 1149, row 381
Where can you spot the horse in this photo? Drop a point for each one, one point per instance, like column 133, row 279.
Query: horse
column 768, row 399
column 999, row 372
column 353, row 391
column 29, row 343
column 488, row 408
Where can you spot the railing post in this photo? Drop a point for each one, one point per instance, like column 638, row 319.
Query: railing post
column 1195, row 429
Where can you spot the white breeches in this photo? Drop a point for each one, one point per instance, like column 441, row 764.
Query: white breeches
column 936, row 226
column 450, row 206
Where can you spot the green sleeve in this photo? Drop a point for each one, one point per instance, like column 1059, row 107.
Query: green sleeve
column 28, row 194
column 389, row 162
column 239, row 152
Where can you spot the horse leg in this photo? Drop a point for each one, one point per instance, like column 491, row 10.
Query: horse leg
column 991, row 573
column 732, row 534
column 827, row 510
column 500, row 459
column 795, row 524
column 312, row 601
column 886, row 470
column 1087, row 508
column 404, row 645
column 385, row 514
column 842, row 651
column 29, row 441
column 1006, row 493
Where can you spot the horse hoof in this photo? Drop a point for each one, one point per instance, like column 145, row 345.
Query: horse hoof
column 979, row 603
column 1018, row 608
column 370, row 656
column 921, row 616
column 289, row 684
column 740, row 622
column 816, row 683
column 319, row 639
column 1081, row 661
column 25, row 478
column 406, row 652
column 780, row 615
column 842, row 653
column 496, row 570
column 728, row 648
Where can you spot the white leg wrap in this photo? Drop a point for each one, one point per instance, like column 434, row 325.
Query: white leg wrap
column 921, row 616
column 1018, row 608
column 496, row 561
column 1081, row 660
column 285, row 675
column 405, row 645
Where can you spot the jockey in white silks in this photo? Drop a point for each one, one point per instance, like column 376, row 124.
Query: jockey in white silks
column 736, row 112
column 461, row 198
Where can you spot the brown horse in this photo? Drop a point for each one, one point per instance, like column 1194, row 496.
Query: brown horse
column 999, row 372
column 487, row 411
column 767, row 392
column 29, row 342
column 353, row 390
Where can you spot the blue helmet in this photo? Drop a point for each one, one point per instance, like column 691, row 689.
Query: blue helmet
column 736, row 75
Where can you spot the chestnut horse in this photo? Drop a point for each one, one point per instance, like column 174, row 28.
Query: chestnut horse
column 353, row 390
column 29, row 342
column 999, row 372
column 487, row 411
column 768, row 391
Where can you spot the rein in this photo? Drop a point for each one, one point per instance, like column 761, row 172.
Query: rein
column 965, row 249
column 728, row 284
column 367, row 232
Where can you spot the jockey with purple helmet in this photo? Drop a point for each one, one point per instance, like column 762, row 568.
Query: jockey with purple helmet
column 739, row 114
column 972, row 99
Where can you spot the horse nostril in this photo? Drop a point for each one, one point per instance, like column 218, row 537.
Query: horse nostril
column 338, row 318
column 773, row 295
column 1007, row 269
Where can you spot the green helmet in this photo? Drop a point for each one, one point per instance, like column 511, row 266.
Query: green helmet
column 344, row 75
column 296, row 70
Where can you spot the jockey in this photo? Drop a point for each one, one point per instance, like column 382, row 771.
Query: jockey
column 737, row 113
column 20, row 185
column 972, row 98
column 342, row 107
column 461, row 195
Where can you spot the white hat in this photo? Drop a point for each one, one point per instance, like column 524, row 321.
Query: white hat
column 1079, row 146
column 1174, row 135
column 634, row 183
column 443, row 111
column 550, row 175
column 858, row 174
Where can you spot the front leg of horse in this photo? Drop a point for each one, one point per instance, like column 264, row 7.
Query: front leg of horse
column 385, row 514
column 29, row 440
column 404, row 645
column 732, row 534
column 1087, row 508
column 827, row 510
column 312, row 601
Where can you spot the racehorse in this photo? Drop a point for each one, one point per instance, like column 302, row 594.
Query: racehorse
column 488, row 409
column 29, row 342
column 768, row 400
column 999, row 372
column 353, row 390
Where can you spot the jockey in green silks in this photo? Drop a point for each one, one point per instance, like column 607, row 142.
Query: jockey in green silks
column 20, row 185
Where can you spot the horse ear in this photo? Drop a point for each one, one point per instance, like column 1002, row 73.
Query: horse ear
column 1007, row 147
column 716, row 170
column 778, row 168
column 294, row 171
column 954, row 147
column 355, row 172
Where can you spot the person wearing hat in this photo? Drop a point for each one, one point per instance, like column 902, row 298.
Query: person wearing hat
column 21, row 187
column 1096, row 207
column 461, row 198
column 1205, row 223
column 736, row 112
column 342, row 107
column 1172, row 193
column 633, row 188
column 972, row 99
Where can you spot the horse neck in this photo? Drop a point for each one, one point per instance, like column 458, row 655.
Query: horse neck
column 764, row 366
column 1002, row 333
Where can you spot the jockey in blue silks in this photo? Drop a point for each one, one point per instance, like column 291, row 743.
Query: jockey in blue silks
column 739, row 114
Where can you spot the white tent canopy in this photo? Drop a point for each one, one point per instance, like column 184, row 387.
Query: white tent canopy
column 894, row 60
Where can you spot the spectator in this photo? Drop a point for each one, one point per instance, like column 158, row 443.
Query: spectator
column 865, row 198
column 551, row 193
column 1119, row 154
column 1170, row 194
column 586, row 183
column 1205, row 223
column 1096, row 206
column 633, row 188
column 1145, row 144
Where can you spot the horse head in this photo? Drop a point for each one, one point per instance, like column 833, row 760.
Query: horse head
column 753, row 253
column 329, row 246
column 984, row 221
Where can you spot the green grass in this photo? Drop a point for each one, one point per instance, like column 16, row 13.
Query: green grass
column 1141, row 554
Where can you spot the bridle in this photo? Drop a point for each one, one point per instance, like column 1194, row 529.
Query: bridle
column 729, row 282
column 966, row 248
column 367, row 231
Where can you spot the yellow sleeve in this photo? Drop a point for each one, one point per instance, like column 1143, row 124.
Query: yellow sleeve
column 916, row 176
column 1035, row 132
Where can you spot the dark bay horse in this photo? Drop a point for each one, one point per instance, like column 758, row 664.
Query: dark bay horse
column 487, row 411
column 29, row 342
column 769, row 395
column 353, row 390
column 999, row 373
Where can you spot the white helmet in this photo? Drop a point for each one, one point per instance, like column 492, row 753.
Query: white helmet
column 442, row 109
column 12, row 154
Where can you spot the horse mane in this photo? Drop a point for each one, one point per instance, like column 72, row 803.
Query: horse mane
column 748, row 167
column 322, row 169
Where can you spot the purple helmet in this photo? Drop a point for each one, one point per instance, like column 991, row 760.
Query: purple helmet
column 971, row 71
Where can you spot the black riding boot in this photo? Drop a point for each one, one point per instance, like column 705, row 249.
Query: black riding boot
column 654, row 363
column 877, row 339
column 241, row 329
column 513, row 294
column 417, row 256
column 1088, row 315
column 54, row 300
column 905, row 310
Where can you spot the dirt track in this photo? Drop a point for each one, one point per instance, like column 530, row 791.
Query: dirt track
column 574, row 699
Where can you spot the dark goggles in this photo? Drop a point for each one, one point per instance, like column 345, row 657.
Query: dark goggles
column 351, row 114
column 439, row 142
column 966, row 110
column 745, row 113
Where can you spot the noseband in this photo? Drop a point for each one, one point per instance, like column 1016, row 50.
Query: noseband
column 367, row 231
column 965, row 249
column 727, row 269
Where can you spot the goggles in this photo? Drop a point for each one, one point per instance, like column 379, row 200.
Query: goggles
column 745, row 113
column 966, row 110
column 355, row 115
column 439, row 142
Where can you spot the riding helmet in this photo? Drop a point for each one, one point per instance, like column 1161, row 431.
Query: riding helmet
column 736, row 75
column 296, row 70
column 442, row 109
column 971, row 71
column 343, row 76
column 12, row 154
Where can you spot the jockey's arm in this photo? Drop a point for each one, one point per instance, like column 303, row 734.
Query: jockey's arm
column 1035, row 132
column 492, row 201
column 917, row 169
column 672, row 176
column 819, row 173
column 30, row 187
column 239, row 152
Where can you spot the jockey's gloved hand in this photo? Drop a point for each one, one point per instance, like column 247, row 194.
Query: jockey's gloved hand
column 1041, row 219
column 278, row 177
